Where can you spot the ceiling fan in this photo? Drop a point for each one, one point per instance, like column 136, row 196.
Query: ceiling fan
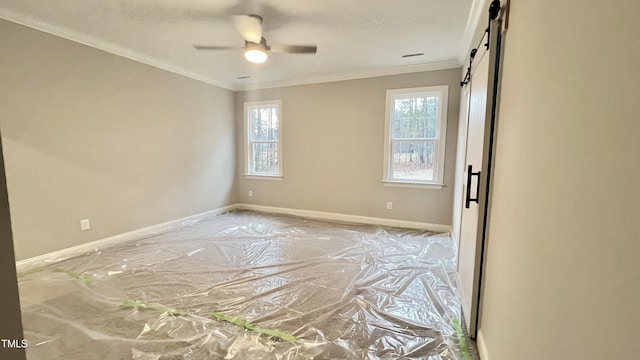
column 255, row 46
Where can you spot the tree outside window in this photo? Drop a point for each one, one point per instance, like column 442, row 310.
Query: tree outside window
column 415, row 135
column 263, row 133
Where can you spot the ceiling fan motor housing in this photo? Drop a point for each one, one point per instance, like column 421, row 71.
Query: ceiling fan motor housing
column 261, row 45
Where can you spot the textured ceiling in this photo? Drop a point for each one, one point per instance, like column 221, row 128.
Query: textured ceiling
column 355, row 38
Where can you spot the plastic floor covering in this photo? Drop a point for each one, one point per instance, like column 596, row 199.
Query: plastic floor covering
column 247, row 285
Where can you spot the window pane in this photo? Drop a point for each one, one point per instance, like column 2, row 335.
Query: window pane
column 265, row 158
column 415, row 117
column 413, row 160
column 431, row 104
column 264, row 123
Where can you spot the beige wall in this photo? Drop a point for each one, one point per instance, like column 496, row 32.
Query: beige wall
column 562, row 278
column 333, row 138
column 88, row 134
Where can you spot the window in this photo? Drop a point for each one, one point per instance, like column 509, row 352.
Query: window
column 415, row 134
column 263, row 127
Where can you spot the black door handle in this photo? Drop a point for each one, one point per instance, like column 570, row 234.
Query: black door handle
column 470, row 173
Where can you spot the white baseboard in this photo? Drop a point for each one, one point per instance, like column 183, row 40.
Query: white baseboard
column 347, row 218
column 41, row 260
column 482, row 346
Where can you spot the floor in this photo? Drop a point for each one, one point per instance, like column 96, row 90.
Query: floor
column 246, row 285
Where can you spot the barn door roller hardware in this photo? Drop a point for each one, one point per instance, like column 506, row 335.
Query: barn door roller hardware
column 494, row 12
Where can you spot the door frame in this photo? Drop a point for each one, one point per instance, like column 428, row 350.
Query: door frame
column 497, row 33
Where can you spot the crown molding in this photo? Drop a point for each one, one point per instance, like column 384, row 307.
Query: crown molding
column 91, row 41
column 441, row 65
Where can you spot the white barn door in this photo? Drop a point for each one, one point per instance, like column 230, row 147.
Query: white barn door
column 469, row 244
column 477, row 174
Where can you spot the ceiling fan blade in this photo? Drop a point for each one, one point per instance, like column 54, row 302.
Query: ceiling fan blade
column 294, row 49
column 209, row 47
column 249, row 27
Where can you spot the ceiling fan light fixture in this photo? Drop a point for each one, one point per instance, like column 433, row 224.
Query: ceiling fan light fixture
column 255, row 45
column 255, row 55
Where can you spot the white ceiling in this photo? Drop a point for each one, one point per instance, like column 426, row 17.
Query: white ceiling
column 355, row 38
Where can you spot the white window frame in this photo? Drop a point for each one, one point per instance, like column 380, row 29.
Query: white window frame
column 248, row 159
column 438, row 172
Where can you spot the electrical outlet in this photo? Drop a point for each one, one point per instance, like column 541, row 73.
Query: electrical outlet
column 85, row 224
column 250, row 193
column 389, row 205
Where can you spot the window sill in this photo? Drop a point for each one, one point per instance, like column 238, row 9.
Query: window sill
column 262, row 177
column 414, row 185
